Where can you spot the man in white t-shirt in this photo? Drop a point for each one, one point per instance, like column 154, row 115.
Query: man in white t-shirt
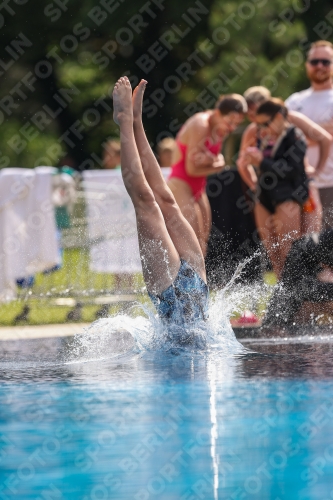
column 317, row 103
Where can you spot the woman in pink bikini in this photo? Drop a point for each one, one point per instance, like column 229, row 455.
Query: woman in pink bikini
column 199, row 155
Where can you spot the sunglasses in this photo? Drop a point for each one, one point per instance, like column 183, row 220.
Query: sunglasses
column 324, row 62
column 266, row 124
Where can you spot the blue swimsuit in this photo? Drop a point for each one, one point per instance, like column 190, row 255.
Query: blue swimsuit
column 186, row 300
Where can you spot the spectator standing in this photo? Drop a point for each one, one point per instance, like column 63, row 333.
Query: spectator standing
column 278, row 161
column 254, row 96
column 316, row 103
column 199, row 142
column 311, row 217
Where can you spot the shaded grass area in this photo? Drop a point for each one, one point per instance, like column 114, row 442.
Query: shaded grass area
column 43, row 313
column 73, row 281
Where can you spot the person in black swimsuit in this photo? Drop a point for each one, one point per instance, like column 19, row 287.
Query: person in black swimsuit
column 281, row 172
column 278, row 160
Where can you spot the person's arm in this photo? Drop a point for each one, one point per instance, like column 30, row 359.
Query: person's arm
column 315, row 134
column 199, row 161
column 328, row 126
column 245, row 169
column 247, row 172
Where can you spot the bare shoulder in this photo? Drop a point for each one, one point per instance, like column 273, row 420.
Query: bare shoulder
column 197, row 126
column 250, row 131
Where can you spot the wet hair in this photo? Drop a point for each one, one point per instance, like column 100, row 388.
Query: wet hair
column 271, row 107
column 256, row 95
column 320, row 43
column 166, row 144
column 231, row 103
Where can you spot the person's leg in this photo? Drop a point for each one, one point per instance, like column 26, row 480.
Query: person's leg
column 179, row 229
column 266, row 229
column 326, row 197
column 200, row 223
column 159, row 257
column 312, row 221
column 205, row 221
column 287, row 227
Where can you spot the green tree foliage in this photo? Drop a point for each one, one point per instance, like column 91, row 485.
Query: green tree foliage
column 60, row 60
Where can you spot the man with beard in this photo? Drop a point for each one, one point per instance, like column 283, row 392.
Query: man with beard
column 316, row 103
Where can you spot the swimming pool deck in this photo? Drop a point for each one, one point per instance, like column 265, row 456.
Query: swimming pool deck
column 62, row 330
column 25, row 332
column 246, row 333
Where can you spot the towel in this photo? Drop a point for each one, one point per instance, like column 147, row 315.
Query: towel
column 111, row 223
column 28, row 240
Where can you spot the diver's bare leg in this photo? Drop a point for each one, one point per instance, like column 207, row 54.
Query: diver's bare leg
column 179, row 229
column 159, row 257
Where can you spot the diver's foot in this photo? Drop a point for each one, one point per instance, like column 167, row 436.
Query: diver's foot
column 137, row 99
column 122, row 100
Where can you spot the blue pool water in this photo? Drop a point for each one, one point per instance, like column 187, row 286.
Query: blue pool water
column 252, row 422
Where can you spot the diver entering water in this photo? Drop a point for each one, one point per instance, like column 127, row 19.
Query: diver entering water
column 306, row 276
column 172, row 261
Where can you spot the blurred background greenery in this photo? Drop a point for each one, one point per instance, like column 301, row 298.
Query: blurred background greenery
column 189, row 52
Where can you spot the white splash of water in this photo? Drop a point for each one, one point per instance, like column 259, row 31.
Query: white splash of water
column 122, row 334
